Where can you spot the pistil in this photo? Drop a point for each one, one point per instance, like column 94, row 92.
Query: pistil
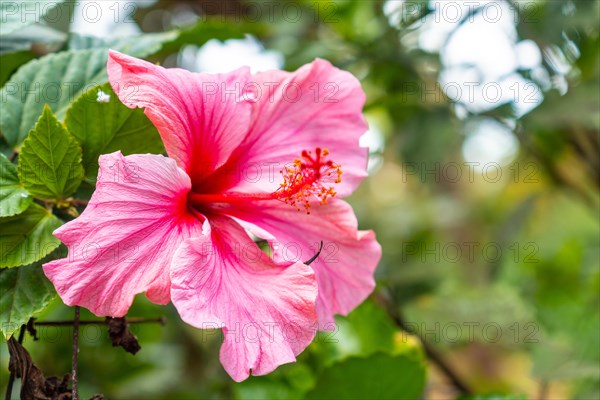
column 308, row 178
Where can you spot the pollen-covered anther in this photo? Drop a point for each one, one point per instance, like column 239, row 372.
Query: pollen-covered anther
column 308, row 179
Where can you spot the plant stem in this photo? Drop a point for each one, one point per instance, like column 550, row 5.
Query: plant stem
column 431, row 353
column 11, row 379
column 75, row 391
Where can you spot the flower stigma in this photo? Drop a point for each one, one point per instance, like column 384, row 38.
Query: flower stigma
column 308, row 177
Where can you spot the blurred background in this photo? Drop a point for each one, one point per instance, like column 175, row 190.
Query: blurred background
column 483, row 190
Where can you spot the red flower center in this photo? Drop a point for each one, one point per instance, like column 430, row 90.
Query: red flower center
column 309, row 177
column 306, row 179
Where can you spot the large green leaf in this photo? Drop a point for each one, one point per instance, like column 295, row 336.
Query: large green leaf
column 14, row 198
column 24, row 291
column 290, row 381
column 106, row 126
column 59, row 79
column 33, row 36
column 27, row 237
column 140, row 46
column 5, row 148
column 19, row 14
column 366, row 330
column 10, row 62
column 494, row 397
column 378, row 376
column 56, row 80
column 211, row 29
column 50, row 161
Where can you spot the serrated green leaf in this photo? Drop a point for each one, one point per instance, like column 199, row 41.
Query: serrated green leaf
column 23, row 292
column 108, row 126
column 19, row 14
column 379, row 376
column 14, row 198
column 57, row 80
column 50, row 161
column 27, row 237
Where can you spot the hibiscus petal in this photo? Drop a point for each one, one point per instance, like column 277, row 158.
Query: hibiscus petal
column 223, row 280
column 200, row 117
column 345, row 267
column 122, row 244
column 316, row 106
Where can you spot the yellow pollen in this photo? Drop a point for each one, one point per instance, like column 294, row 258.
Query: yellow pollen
column 309, row 178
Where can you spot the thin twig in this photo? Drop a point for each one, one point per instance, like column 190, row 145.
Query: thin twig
column 11, row 378
column 75, row 391
column 431, row 353
column 134, row 320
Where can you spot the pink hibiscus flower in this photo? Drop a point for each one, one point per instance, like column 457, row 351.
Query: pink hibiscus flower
column 260, row 153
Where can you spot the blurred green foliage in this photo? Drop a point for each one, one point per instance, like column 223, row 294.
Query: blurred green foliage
column 501, row 277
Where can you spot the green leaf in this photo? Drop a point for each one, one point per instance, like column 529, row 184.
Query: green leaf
column 367, row 330
column 14, row 198
column 211, row 29
column 50, row 161
column 57, row 80
column 27, row 237
column 23, row 292
column 494, row 397
column 19, row 14
column 141, row 46
column 105, row 127
column 290, row 381
column 378, row 376
column 5, row 148
column 10, row 62
column 30, row 37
